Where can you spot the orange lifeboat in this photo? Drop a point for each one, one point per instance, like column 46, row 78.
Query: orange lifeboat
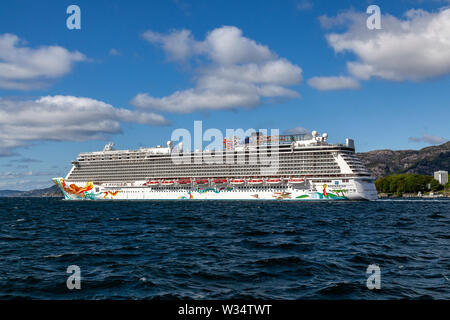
column 255, row 181
column 296, row 180
column 273, row 181
column 167, row 182
column 201, row 181
column 237, row 181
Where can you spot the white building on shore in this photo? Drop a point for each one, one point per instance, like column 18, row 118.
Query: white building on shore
column 441, row 176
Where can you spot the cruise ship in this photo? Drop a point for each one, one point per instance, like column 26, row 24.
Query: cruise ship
column 258, row 167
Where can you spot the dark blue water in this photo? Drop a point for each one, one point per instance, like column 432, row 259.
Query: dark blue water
column 221, row 250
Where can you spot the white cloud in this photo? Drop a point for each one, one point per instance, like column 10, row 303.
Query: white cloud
column 414, row 48
column 63, row 118
column 227, row 46
column 234, row 71
column 428, row 138
column 26, row 160
column 278, row 71
column 333, row 83
column 26, row 180
column 178, row 45
column 297, row 130
column 114, row 52
column 24, row 68
column 304, row 5
column 14, row 174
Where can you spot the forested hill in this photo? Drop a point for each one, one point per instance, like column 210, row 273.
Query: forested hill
column 424, row 161
column 52, row 191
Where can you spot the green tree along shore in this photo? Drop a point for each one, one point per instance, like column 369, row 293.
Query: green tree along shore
column 408, row 183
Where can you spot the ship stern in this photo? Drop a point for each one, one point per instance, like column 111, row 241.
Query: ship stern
column 365, row 189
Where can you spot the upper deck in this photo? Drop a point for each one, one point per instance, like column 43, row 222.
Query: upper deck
column 254, row 143
column 256, row 158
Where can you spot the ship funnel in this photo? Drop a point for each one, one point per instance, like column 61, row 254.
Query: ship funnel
column 350, row 143
column 109, row 146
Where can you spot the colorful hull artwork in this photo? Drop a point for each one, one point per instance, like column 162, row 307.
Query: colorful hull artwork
column 73, row 192
column 89, row 191
column 339, row 194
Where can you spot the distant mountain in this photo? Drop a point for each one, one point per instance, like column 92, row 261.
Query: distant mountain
column 7, row 193
column 424, row 161
column 52, row 191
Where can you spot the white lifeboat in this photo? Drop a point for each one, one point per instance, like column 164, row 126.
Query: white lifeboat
column 167, row 182
column 237, row 181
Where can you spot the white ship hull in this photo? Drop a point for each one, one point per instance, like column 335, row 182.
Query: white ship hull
column 353, row 190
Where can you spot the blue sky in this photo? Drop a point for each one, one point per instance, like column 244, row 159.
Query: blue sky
column 68, row 91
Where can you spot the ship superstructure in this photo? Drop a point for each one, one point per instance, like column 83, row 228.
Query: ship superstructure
column 288, row 167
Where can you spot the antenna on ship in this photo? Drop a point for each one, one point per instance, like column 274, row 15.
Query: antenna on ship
column 178, row 148
column 109, row 146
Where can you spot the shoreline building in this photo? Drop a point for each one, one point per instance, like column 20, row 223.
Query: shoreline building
column 441, row 176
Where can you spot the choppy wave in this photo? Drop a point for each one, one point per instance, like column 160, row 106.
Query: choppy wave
column 224, row 250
